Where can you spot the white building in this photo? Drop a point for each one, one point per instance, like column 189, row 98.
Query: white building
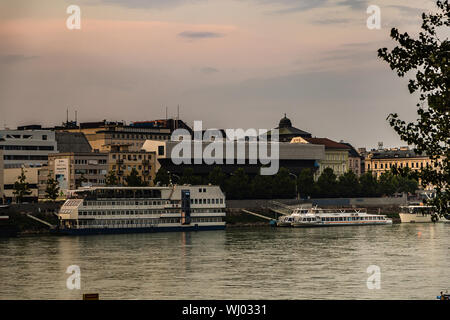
column 26, row 147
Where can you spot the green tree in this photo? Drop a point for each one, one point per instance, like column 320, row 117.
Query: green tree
column 237, row 186
column 348, row 185
column 111, row 178
column 306, row 183
column 21, row 187
column 162, row 176
column 327, row 184
column 369, row 185
column 217, row 177
column 261, row 187
column 387, row 184
column 133, row 179
column 283, row 185
column 52, row 188
column 428, row 57
column 189, row 177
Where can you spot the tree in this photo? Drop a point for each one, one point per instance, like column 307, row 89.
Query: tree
column 283, row 185
column 348, row 185
column 306, row 183
column 387, row 184
column 133, row 179
column 261, row 187
column 21, row 187
column 327, row 183
column 189, row 177
column 217, row 177
column 428, row 57
column 237, row 186
column 111, row 179
column 369, row 185
column 162, row 176
column 52, row 188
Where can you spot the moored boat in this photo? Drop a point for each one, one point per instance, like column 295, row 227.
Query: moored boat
column 421, row 214
column 107, row 210
column 317, row 217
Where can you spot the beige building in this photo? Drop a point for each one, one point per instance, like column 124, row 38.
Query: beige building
column 74, row 170
column 10, row 176
column 122, row 161
column 102, row 136
column 336, row 156
column 379, row 161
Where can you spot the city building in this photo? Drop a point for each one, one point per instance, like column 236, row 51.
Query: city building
column 72, row 142
column 42, row 182
column 103, row 135
column 73, row 170
column 382, row 160
column 11, row 175
column 336, row 156
column 122, row 161
column 27, row 147
column 292, row 156
column 354, row 160
column 286, row 131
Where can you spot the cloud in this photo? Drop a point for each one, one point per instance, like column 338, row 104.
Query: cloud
column 354, row 4
column 295, row 6
column 144, row 4
column 209, row 70
column 15, row 58
column 200, row 34
column 332, row 21
column 408, row 10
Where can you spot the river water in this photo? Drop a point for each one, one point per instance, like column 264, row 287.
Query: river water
column 237, row 263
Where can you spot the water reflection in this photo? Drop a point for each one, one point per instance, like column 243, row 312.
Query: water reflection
column 258, row 263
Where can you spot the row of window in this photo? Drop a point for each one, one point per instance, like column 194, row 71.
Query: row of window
column 40, row 148
column 24, row 157
column 391, row 165
column 129, row 168
column 134, row 157
column 207, row 201
column 142, row 222
column 125, row 203
column 139, row 212
column 370, row 218
column 90, row 161
column 140, row 136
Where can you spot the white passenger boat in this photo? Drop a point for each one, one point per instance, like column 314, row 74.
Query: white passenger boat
column 317, row 217
column 420, row 213
column 105, row 210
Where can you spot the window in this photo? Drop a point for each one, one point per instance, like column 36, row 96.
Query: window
column 44, row 137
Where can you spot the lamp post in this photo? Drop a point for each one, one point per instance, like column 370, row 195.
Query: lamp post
column 296, row 187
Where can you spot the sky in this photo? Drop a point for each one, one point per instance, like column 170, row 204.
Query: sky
column 231, row 64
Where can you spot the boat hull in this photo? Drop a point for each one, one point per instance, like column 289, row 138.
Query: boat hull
column 413, row 218
column 97, row 231
column 301, row 225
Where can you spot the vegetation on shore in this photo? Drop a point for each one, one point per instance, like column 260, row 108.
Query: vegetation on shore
column 428, row 59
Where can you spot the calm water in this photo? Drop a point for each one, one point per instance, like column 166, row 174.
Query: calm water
column 256, row 263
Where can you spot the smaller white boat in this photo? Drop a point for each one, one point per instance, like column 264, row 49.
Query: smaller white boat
column 419, row 213
column 317, row 217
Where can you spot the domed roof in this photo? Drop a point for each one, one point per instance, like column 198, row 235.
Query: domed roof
column 285, row 122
